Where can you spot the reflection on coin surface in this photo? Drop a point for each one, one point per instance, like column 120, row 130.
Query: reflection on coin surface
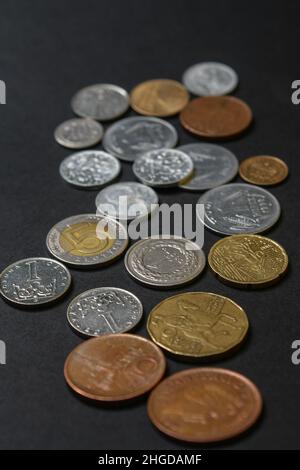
column 197, row 324
column 248, row 260
column 133, row 136
column 34, row 281
column 87, row 240
column 239, row 208
column 101, row 102
column 204, row 404
column 103, row 311
column 114, row 367
column 78, row 133
column 263, row 170
column 164, row 262
column 210, row 79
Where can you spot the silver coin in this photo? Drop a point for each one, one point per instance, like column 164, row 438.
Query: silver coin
column 210, row 79
column 103, row 311
column 89, row 169
column 239, row 208
column 87, row 240
column 101, row 102
column 132, row 137
column 78, row 133
column 34, row 281
column 164, row 262
column 213, row 166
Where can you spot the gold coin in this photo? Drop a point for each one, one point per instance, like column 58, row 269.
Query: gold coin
column 248, row 260
column 263, row 170
column 197, row 324
column 160, row 97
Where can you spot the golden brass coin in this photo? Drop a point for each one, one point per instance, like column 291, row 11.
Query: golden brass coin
column 160, row 97
column 263, row 170
column 197, row 324
column 248, row 260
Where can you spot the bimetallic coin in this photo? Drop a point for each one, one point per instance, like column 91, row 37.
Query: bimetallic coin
column 78, row 133
column 131, row 137
column 239, row 208
column 34, row 281
column 210, row 79
column 263, row 170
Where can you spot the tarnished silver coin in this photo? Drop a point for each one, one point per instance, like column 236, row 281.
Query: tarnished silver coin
column 164, row 262
column 213, row 166
column 34, row 281
column 210, row 79
column 103, row 311
column 101, row 102
column 89, row 169
column 131, row 137
column 78, row 133
column 239, row 208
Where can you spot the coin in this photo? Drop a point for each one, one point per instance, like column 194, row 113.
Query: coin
column 114, row 367
column 163, row 167
column 133, row 136
column 87, row 240
column 204, row 405
column 197, row 324
column 248, row 260
column 34, row 281
column 161, row 97
column 89, row 169
column 263, row 170
column 210, row 79
column 216, row 117
column 78, row 133
column 164, row 262
column 101, row 102
column 213, row 165
column 239, row 208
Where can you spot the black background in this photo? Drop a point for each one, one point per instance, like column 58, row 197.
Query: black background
column 48, row 50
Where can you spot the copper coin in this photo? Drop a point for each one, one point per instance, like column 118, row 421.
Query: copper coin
column 204, row 405
column 114, row 367
column 216, row 117
column 263, row 170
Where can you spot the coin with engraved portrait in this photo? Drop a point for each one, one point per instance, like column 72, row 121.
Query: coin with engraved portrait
column 78, row 133
column 210, row 79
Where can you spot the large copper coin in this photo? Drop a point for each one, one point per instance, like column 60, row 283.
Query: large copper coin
column 264, row 170
column 216, row 117
column 114, row 367
column 204, row 405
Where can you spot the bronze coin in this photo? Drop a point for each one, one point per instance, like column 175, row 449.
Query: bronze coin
column 263, row 170
column 204, row 405
column 114, row 367
column 216, row 117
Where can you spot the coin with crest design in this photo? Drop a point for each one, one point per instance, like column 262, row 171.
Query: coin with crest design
column 263, row 170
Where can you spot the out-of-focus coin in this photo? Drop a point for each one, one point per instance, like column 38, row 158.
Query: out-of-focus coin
column 248, row 260
column 239, row 208
column 164, row 262
column 197, row 324
column 114, row 367
column 213, row 165
column 216, row 117
column 160, row 97
column 34, row 281
column 89, row 169
column 263, row 170
column 78, row 133
column 204, row 405
column 87, row 240
column 131, row 137
column 104, row 311
column 101, row 102
column 210, row 79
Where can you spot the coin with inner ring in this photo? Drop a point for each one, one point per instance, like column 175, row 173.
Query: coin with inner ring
column 78, row 133
column 263, row 170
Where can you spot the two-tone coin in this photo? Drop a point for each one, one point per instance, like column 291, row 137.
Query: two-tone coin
column 263, row 170
column 78, row 133
column 210, row 79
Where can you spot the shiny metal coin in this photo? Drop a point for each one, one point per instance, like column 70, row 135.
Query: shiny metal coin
column 78, row 133
column 210, row 79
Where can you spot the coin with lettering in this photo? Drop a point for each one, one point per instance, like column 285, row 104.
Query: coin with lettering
column 78, row 133
column 210, row 79
column 263, row 170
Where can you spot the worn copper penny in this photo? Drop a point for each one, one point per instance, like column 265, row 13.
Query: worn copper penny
column 263, row 170
column 114, row 367
column 216, row 117
column 204, row 405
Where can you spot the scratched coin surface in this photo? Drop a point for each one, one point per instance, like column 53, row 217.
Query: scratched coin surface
column 263, row 170
column 239, row 208
column 114, row 367
column 210, row 79
column 34, row 281
column 78, row 133
column 248, row 260
column 205, row 405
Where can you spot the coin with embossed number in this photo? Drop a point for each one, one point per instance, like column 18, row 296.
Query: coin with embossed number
column 263, row 170
column 78, row 133
column 210, row 79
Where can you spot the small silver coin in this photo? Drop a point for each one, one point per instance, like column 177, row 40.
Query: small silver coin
column 101, row 102
column 164, row 262
column 210, row 79
column 239, row 208
column 89, row 169
column 78, row 133
column 213, row 166
column 131, row 137
column 34, row 281
column 103, row 311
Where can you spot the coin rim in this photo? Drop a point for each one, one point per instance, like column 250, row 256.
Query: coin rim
column 271, row 157
column 73, row 145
